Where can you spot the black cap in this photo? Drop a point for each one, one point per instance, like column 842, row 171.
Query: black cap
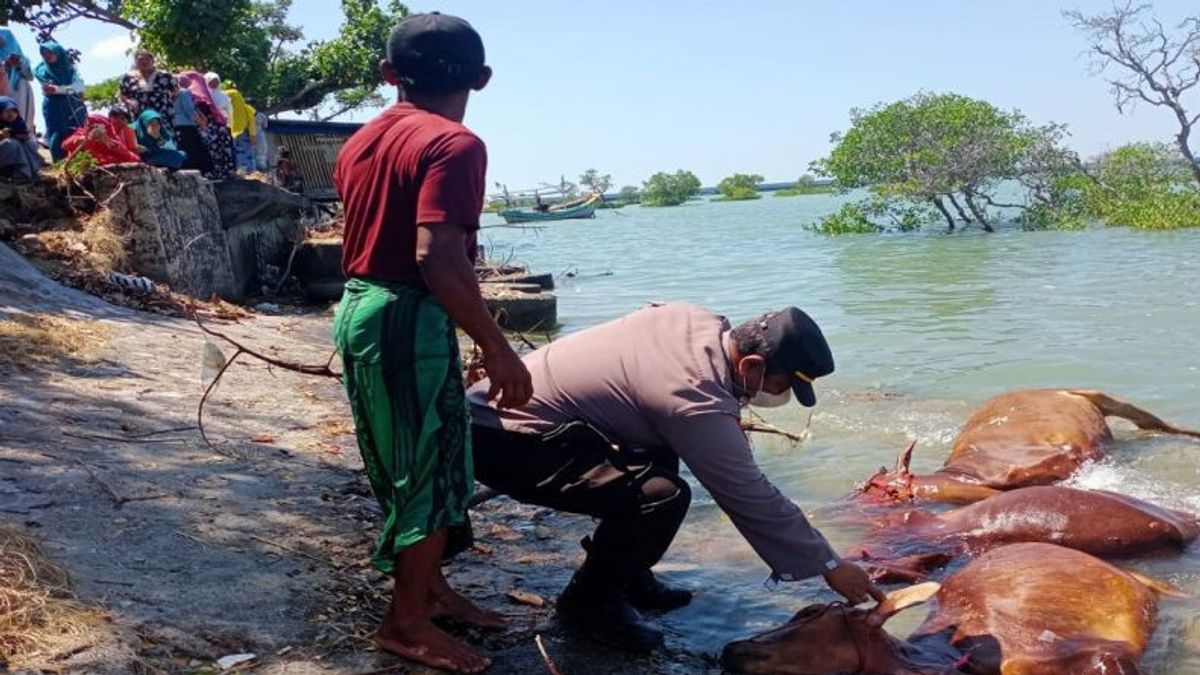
column 435, row 52
column 793, row 344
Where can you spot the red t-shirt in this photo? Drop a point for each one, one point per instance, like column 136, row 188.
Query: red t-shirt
column 404, row 168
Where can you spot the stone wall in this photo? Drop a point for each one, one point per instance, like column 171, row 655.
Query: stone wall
column 174, row 228
column 201, row 237
column 262, row 225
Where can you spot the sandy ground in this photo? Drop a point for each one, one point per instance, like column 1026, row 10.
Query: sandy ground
column 257, row 544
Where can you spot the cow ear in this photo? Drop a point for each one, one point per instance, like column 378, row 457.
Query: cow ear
column 902, row 599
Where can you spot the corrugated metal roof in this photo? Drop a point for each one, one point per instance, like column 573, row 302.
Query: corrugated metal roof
column 297, row 127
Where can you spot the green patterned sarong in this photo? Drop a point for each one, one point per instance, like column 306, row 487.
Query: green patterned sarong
column 403, row 376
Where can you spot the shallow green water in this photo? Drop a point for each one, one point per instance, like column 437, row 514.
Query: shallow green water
column 924, row 327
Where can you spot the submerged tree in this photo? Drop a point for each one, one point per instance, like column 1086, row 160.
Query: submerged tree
column 740, row 187
column 1148, row 63
column 595, row 181
column 945, row 151
column 1142, row 185
column 665, row 189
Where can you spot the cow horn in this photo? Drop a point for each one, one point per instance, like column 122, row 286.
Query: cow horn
column 902, row 599
column 905, row 457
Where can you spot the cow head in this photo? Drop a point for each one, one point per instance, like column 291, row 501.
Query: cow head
column 892, row 486
column 831, row 638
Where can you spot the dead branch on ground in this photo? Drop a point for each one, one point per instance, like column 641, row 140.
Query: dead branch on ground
column 303, row 368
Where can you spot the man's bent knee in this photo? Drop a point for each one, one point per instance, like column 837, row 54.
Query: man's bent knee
column 666, row 493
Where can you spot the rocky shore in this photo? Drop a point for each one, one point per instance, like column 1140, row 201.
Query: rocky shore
column 255, row 544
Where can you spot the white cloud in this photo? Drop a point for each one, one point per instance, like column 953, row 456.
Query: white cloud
column 111, row 48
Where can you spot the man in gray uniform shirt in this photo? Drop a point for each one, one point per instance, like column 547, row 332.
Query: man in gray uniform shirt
column 614, row 409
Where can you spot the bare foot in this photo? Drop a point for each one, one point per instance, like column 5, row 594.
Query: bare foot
column 446, row 603
column 427, row 644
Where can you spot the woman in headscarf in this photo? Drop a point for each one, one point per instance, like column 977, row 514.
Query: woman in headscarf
column 62, row 101
column 220, row 100
column 217, row 140
column 122, row 124
column 192, row 90
column 147, row 88
column 19, row 156
column 260, row 136
column 15, row 68
column 154, row 135
column 101, row 139
column 241, row 127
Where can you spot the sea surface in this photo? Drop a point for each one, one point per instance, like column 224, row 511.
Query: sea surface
column 924, row 327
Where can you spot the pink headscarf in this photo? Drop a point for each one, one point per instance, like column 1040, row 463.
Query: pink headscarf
column 199, row 90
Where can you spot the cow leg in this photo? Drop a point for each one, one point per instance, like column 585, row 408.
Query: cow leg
column 1115, row 407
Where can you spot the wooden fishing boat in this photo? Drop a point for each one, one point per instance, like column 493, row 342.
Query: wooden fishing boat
column 580, row 208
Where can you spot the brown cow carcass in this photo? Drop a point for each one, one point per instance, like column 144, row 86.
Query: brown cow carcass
column 1021, row 609
column 1104, row 524
column 1018, row 439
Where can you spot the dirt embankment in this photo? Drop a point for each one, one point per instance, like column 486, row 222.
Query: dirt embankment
column 256, row 545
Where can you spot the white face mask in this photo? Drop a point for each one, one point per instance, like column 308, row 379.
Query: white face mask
column 764, row 399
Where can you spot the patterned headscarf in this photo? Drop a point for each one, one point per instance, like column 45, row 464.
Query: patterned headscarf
column 61, row 72
column 6, row 103
column 200, row 94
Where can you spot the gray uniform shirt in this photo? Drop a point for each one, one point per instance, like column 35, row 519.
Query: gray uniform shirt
column 660, row 376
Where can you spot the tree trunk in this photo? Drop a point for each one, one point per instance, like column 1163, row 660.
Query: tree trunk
column 1185, row 131
column 958, row 207
column 937, row 201
column 979, row 213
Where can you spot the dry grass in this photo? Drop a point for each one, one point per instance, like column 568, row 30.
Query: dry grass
column 39, row 617
column 107, row 248
column 37, row 339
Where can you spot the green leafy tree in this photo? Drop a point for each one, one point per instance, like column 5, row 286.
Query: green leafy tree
column 873, row 215
column 1143, row 185
column 596, row 181
column 192, row 32
column 739, row 187
column 629, row 194
column 946, row 151
column 805, row 185
column 45, row 16
column 665, row 189
column 103, row 94
column 250, row 43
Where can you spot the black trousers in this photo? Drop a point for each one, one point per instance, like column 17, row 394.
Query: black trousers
column 638, row 496
column 197, row 155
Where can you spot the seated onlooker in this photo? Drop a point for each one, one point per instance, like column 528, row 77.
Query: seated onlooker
column 156, row 138
column 19, row 156
column 287, row 174
column 120, row 122
column 101, row 139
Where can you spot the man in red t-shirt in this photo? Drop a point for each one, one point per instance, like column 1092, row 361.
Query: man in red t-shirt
column 412, row 185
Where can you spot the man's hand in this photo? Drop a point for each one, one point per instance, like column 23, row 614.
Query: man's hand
column 853, row 583
column 510, row 379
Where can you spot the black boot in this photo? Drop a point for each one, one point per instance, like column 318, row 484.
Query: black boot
column 601, row 612
column 648, row 594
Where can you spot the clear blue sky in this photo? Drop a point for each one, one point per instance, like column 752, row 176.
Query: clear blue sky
column 631, row 88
